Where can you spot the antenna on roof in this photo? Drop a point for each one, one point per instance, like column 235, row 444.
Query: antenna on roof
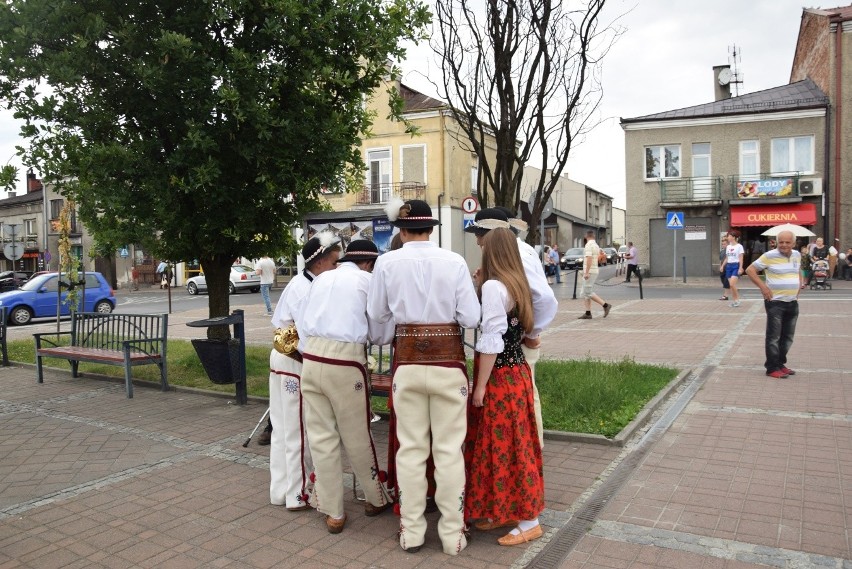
column 734, row 55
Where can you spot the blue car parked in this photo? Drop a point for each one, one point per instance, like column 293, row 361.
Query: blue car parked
column 37, row 298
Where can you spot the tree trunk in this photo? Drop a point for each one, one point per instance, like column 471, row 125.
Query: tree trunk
column 217, row 273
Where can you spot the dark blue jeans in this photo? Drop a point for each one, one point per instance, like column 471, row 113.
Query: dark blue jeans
column 780, row 327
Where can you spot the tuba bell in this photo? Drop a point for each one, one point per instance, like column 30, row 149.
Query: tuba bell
column 286, row 340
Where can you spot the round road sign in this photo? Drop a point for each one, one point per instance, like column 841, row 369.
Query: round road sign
column 470, row 204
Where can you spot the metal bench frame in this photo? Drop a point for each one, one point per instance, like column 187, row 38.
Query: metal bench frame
column 114, row 339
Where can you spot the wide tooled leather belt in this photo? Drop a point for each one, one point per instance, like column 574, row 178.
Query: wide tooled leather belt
column 428, row 343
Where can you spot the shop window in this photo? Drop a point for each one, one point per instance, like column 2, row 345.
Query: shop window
column 662, row 162
column 793, row 154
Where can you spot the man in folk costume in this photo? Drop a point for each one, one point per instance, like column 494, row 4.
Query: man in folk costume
column 335, row 331
column 290, row 464
column 544, row 300
column 428, row 292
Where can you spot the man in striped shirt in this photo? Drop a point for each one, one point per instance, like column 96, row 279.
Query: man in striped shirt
column 781, row 295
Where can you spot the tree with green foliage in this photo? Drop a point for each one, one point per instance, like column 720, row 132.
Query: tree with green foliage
column 202, row 129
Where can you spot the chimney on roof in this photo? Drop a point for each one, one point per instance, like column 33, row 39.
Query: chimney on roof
column 33, row 183
column 722, row 77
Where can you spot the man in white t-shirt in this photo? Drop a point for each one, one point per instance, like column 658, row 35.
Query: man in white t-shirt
column 590, row 275
column 265, row 268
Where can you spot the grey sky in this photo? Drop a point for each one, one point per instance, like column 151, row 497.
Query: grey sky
column 663, row 61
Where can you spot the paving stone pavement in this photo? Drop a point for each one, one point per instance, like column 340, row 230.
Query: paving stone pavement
column 735, row 470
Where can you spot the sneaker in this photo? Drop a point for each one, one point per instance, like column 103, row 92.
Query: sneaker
column 788, row 371
column 735, row 304
column 777, row 374
column 375, row 418
column 606, row 307
column 585, row 317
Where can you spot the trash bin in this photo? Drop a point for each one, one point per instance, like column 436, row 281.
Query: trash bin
column 224, row 361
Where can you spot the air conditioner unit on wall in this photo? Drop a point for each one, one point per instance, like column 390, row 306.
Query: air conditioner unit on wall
column 810, row 186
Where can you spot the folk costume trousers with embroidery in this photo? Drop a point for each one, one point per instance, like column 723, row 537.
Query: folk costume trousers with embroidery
column 431, row 398
column 532, row 355
column 290, row 464
column 337, row 407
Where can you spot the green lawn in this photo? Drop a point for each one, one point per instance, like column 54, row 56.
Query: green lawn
column 584, row 396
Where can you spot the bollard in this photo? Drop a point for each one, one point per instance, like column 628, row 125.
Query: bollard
column 684, row 269
column 576, row 272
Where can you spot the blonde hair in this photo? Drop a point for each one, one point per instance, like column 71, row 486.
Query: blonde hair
column 501, row 261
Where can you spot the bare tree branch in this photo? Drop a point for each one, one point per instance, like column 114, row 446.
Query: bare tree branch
column 523, row 81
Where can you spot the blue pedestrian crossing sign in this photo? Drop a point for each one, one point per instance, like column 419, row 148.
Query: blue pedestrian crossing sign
column 674, row 220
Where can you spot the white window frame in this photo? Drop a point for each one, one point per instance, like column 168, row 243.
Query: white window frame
column 662, row 149
column 707, row 156
column 743, row 154
column 791, row 154
column 425, row 162
column 474, row 180
column 383, row 196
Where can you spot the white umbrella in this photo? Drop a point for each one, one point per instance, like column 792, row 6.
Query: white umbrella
column 797, row 230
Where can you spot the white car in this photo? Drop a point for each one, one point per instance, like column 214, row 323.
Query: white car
column 242, row 278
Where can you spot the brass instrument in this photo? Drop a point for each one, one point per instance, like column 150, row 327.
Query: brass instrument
column 286, row 340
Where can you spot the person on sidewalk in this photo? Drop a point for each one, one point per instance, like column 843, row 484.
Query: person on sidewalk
column 428, row 292
column 726, row 286
column 832, row 259
column 632, row 257
column 334, row 382
column 544, row 300
column 732, row 265
column 554, row 260
column 501, row 419
column 780, row 292
column 590, row 275
column 290, row 464
column 266, row 269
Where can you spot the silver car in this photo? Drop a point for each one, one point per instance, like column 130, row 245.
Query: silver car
column 242, row 278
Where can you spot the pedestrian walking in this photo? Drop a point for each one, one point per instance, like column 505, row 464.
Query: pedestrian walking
column 590, row 275
column 265, row 267
column 632, row 257
column 732, row 266
column 780, row 292
column 554, row 260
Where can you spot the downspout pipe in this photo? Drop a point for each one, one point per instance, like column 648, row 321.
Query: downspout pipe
column 838, row 119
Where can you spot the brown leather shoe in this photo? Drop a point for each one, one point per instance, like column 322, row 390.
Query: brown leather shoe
column 301, row 508
column 371, row 510
column 335, row 526
column 522, row 537
column 265, row 438
column 488, row 525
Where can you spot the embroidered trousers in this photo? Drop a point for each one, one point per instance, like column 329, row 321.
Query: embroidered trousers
column 337, row 408
column 290, row 464
column 431, row 398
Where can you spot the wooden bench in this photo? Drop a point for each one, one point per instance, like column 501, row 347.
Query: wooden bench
column 114, row 339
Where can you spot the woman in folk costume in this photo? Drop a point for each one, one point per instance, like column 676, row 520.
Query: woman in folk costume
column 336, row 330
column 290, row 464
column 505, row 480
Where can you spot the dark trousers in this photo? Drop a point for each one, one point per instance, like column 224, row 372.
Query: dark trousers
column 633, row 269
column 780, row 327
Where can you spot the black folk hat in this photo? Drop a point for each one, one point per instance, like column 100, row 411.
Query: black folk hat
column 411, row 214
column 486, row 220
column 360, row 250
column 316, row 246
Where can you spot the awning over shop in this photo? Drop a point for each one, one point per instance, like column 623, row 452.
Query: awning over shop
column 773, row 214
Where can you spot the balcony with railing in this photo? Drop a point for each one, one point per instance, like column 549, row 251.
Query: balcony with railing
column 381, row 193
column 698, row 191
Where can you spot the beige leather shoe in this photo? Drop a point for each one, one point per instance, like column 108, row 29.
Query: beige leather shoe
column 523, row 537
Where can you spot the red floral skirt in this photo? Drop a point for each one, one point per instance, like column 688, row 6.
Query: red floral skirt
column 505, row 474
